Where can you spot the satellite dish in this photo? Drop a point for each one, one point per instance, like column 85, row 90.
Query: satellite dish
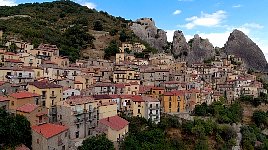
column 3, row 90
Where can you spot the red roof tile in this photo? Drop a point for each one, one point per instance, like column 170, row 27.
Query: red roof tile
column 13, row 60
column 2, row 82
column 115, row 122
column 23, row 94
column 49, row 130
column 27, row 108
column 3, row 98
column 9, row 53
column 137, row 98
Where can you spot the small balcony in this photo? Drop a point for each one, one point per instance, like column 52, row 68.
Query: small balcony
column 52, row 96
column 78, row 112
column 77, row 120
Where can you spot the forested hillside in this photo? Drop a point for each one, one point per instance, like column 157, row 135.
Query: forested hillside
column 63, row 23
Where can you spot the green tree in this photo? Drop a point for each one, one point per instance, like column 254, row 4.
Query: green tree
column 260, row 118
column 97, row 25
column 97, row 143
column 201, row 110
column 12, row 48
column 14, row 130
column 123, row 36
column 111, row 50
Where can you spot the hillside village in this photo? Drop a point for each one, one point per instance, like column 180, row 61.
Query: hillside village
column 67, row 102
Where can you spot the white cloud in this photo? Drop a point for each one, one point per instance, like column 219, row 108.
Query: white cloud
column 237, row 6
column 253, row 25
column 176, row 12
column 170, row 34
column 90, row 5
column 207, row 20
column 7, row 3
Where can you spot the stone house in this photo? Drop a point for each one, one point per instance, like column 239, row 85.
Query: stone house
column 50, row 136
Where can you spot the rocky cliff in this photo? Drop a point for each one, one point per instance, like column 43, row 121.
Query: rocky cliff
column 241, row 45
column 146, row 30
column 179, row 44
column 196, row 50
column 200, row 50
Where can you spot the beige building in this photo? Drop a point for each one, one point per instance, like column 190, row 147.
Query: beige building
column 80, row 115
column 35, row 114
column 115, row 128
column 107, row 109
column 50, row 93
column 50, row 137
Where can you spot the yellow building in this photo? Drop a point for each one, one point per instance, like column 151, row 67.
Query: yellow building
column 61, row 61
column 30, row 60
column 157, row 92
column 174, row 102
column 86, row 80
column 107, row 109
column 51, row 93
column 35, row 114
column 138, row 106
column 119, row 58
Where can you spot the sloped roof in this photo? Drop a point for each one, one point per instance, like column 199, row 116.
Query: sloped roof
column 49, row 130
column 116, row 123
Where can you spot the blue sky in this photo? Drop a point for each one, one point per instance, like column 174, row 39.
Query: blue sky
column 212, row 19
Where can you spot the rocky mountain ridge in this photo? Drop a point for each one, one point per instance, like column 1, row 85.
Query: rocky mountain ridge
column 146, row 30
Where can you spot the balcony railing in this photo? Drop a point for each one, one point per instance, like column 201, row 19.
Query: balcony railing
column 53, row 96
column 154, row 108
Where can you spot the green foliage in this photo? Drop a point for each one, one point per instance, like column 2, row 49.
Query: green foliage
column 14, row 130
column 260, row 118
column 251, row 134
column 97, row 143
column 97, row 25
column 12, row 48
column 111, row 50
column 50, row 22
column 123, row 37
column 222, row 113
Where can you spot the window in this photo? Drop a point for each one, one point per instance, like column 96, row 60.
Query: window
column 156, row 111
column 169, row 104
column 139, row 111
column 77, row 134
column 37, row 141
column 12, row 103
column 156, row 105
column 77, row 126
column 44, row 103
column 151, row 105
column 63, row 147
column 36, row 101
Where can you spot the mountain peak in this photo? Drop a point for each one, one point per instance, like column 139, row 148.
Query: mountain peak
column 240, row 45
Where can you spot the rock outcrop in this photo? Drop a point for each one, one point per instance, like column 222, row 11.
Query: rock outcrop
column 146, row 30
column 179, row 44
column 200, row 50
column 241, row 45
column 195, row 51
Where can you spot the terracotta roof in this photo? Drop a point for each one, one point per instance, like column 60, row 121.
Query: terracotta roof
column 149, row 99
column 120, row 85
column 137, row 98
column 44, row 85
column 49, row 130
column 77, row 82
column 3, row 98
column 74, row 100
column 13, row 60
column 27, row 108
column 9, row 53
column 2, row 82
column 116, row 123
column 23, row 94
column 97, row 97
